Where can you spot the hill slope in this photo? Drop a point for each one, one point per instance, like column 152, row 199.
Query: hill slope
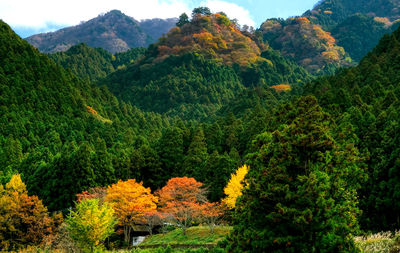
column 59, row 132
column 359, row 34
column 113, row 31
column 199, row 66
column 329, row 13
column 94, row 63
column 307, row 43
column 356, row 25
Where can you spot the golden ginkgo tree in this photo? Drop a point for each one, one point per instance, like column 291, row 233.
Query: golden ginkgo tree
column 234, row 187
column 91, row 223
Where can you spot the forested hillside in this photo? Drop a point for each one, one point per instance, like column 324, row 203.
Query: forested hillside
column 57, row 128
column 94, row 63
column 334, row 34
column 329, row 13
column 54, row 126
column 307, row 43
column 200, row 65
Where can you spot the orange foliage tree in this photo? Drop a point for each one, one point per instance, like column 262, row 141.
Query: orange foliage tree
column 182, row 198
column 130, row 202
column 24, row 219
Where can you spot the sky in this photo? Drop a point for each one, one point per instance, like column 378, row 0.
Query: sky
column 29, row 17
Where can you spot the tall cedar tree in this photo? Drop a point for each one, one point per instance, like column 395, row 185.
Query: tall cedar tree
column 302, row 188
column 197, row 156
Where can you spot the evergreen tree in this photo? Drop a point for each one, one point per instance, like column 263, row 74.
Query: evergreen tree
column 170, row 150
column 183, row 19
column 197, row 156
column 302, row 188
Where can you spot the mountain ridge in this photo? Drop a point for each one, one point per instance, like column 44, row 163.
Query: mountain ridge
column 113, row 31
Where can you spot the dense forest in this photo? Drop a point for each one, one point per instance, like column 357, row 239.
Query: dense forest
column 212, row 124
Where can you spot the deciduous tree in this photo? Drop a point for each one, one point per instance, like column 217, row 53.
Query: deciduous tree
column 234, row 187
column 182, row 198
column 91, row 223
column 211, row 213
column 24, row 220
column 130, row 201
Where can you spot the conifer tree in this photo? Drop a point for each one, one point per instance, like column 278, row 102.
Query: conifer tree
column 197, row 155
column 302, row 188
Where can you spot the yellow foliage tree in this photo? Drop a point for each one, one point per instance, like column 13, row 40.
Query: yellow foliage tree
column 91, row 223
column 234, row 187
column 130, row 201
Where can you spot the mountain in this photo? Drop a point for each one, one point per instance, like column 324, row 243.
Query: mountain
column 199, row 66
column 359, row 33
column 307, row 43
column 357, row 26
column 329, row 13
column 113, row 31
column 335, row 33
column 366, row 101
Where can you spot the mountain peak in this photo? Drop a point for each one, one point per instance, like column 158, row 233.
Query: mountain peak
column 113, row 31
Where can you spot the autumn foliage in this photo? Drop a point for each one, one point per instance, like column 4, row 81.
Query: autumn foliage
column 211, row 213
column 307, row 43
column 182, row 198
column 92, row 193
column 130, row 201
column 234, row 187
column 214, row 36
column 91, row 223
column 91, row 110
column 281, row 87
column 24, row 220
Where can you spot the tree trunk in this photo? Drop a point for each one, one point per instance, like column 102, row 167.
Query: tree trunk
column 127, row 234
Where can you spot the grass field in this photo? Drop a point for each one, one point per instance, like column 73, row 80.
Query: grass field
column 200, row 235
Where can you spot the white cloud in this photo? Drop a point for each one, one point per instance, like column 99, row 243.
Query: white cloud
column 40, row 13
column 232, row 10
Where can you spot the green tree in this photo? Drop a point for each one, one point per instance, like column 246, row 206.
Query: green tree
column 302, row 188
column 183, row 19
column 197, row 155
column 91, row 223
column 216, row 173
column 201, row 11
column 170, row 150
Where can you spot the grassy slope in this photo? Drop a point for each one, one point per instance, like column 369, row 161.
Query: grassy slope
column 194, row 235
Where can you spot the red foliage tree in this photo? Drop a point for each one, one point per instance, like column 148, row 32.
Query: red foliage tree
column 211, row 213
